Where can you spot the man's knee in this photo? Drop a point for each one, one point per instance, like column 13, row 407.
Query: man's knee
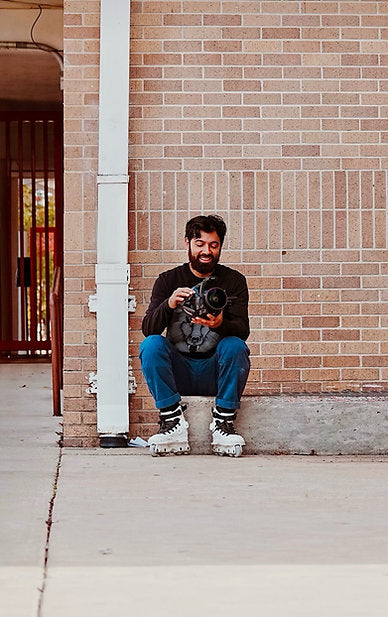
column 153, row 345
column 232, row 347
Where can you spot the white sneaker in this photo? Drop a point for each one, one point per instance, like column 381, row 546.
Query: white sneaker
column 172, row 437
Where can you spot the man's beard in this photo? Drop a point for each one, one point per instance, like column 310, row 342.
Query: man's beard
column 201, row 267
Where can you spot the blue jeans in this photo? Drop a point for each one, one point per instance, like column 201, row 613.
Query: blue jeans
column 169, row 374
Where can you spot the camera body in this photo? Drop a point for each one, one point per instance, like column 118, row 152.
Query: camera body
column 203, row 301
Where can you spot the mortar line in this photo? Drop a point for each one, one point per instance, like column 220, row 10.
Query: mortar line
column 49, row 521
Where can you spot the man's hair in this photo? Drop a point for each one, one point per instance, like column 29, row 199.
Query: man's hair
column 210, row 223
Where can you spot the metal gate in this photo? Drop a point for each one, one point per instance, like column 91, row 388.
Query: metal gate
column 31, row 228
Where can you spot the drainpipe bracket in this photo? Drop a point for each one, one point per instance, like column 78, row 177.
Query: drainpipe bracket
column 92, row 303
column 132, row 385
column 132, row 304
column 92, row 389
column 93, row 383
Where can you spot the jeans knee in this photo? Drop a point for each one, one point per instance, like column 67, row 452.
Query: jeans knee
column 232, row 347
column 153, row 345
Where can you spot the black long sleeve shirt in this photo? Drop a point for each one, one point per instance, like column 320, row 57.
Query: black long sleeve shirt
column 191, row 338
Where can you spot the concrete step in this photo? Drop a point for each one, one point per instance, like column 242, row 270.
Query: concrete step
column 299, row 424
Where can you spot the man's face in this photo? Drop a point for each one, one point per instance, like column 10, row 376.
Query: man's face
column 204, row 252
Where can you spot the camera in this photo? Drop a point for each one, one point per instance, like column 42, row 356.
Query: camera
column 203, row 301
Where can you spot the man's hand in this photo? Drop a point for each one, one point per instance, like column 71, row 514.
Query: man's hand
column 180, row 295
column 212, row 321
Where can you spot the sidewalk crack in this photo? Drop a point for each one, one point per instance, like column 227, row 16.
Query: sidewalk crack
column 49, row 523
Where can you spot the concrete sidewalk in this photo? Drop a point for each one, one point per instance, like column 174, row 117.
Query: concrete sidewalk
column 132, row 535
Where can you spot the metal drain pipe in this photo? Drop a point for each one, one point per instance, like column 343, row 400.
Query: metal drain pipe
column 112, row 271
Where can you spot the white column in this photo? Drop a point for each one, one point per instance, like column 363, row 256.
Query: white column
column 112, row 273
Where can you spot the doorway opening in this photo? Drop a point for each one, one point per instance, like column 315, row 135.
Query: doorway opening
column 31, row 229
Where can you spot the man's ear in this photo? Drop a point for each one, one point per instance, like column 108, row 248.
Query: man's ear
column 187, row 242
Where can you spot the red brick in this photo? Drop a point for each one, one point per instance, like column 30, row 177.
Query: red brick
column 374, row 361
column 221, row 20
column 360, row 374
column 300, row 151
column 280, row 375
column 302, row 362
column 282, row 59
column 320, row 322
column 341, row 282
column 301, row 282
column 340, row 361
column 340, row 335
column 241, row 33
column 162, row 59
column 281, row 33
column 360, row 59
column 202, row 59
column 301, row 335
column 318, row 374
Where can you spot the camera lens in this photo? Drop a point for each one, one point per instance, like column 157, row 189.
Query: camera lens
column 216, row 299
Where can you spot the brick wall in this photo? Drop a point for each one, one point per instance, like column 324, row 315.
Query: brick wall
column 81, row 46
column 275, row 115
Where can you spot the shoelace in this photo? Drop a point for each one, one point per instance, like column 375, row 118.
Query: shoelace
column 167, row 426
column 225, row 427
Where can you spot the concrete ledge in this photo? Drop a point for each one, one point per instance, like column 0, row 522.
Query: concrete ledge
column 351, row 424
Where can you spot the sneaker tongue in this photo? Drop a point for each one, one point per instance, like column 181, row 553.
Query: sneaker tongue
column 226, row 426
column 167, row 426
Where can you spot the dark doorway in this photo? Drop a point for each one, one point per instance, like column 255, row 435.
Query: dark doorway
column 31, row 228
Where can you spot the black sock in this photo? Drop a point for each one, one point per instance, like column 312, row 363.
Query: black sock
column 221, row 413
column 170, row 408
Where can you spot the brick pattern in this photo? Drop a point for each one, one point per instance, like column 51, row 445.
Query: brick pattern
column 81, row 47
column 273, row 114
